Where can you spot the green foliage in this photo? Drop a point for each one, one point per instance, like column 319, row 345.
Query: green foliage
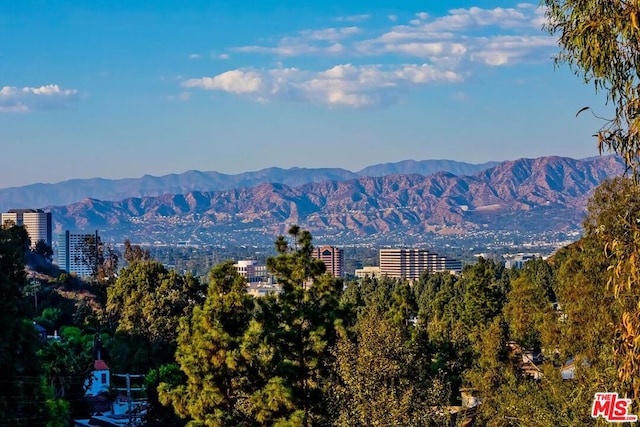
column 67, row 364
column 22, row 395
column 305, row 317
column 135, row 252
column 579, row 335
column 314, row 355
column 403, row 306
column 210, row 354
column 45, row 251
column 147, row 302
column 264, row 361
column 157, row 414
column 599, row 40
column 59, row 412
column 485, row 286
column 49, row 318
column 376, row 378
column 611, row 226
column 489, row 369
column 527, row 311
column 85, row 316
column 92, row 253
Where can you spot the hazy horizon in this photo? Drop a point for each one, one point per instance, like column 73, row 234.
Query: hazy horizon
column 140, row 176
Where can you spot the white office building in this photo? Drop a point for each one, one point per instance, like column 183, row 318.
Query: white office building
column 35, row 221
column 74, row 254
column 410, row 263
column 253, row 271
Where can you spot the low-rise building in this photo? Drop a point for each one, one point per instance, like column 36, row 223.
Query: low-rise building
column 253, row 271
column 368, row 271
column 518, row 260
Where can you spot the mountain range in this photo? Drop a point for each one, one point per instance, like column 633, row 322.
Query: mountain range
column 71, row 191
column 536, row 195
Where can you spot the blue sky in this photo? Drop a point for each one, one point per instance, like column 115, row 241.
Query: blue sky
column 120, row 89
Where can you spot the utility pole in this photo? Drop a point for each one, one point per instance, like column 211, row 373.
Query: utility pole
column 34, row 287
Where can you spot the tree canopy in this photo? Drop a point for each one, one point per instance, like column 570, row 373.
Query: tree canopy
column 599, row 41
column 25, row 399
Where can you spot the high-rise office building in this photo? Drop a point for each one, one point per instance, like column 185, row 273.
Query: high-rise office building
column 333, row 259
column 411, row 263
column 35, row 221
column 75, row 255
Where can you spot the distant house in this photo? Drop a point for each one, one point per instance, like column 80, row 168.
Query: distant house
column 568, row 370
column 41, row 331
column 121, row 412
column 528, row 361
column 100, row 381
column 465, row 415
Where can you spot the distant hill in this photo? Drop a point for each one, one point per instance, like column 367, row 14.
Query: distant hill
column 67, row 192
column 548, row 193
column 425, row 167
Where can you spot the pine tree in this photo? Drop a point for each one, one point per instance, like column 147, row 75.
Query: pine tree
column 308, row 308
column 217, row 389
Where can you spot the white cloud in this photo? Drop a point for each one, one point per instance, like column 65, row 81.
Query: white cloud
column 508, row 50
column 427, row 50
column 344, row 85
column 426, row 74
column 195, row 56
column 336, row 48
column 16, row 108
column 308, row 42
column 224, row 56
column 330, row 34
column 459, row 96
column 235, row 81
column 476, row 17
column 432, row 50
column 280, row 50
column 493, row 37
column 467, row 22
column 18, row 100
column 354, row 18
column 182, row 96
column 461, row 34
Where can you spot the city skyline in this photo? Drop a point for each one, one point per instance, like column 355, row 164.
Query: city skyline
column 122, row 89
